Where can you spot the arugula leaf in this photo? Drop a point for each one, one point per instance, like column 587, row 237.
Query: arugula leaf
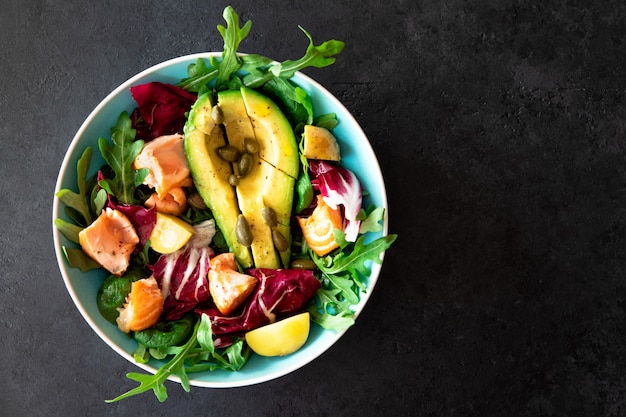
column 255, row 63
column 233, row 35
column 341, row 278
column 78, row 208
column 196, row 355
column 76, row 258
column 69, row 230
column 205, row 336
column 98, row 199
column 156, row 382
column 199, row 75
column 120, row 156
column 324, row 313
column 345, row 286
column 316, row 56
column 328, row 121
column 141, row 354
column 259, row 69
column 304, row 187
column 372, row 222
column 356, row 261
column 237, row 356
column 78, row 201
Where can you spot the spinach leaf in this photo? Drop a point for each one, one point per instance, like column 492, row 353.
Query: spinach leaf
column 113, row 291
column 294, row 101
column 304, row 192
column 166, row 333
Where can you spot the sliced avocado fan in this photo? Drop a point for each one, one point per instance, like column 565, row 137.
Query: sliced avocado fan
column 269, row 184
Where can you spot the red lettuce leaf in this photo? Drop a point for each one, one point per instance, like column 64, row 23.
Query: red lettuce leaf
column 182, row 277
column 339, row 187
column 174, row 309
column 162, row 108
column 141, row 127
column 279, row 293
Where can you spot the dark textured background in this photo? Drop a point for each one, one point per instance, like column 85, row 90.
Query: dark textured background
column 500, row 127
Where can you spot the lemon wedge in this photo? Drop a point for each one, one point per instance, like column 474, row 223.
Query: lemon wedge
column 170, row 233
column 280, row 338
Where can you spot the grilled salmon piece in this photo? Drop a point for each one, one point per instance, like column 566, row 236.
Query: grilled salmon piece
column 143, row 306
column 166, row 160
column 110, row 240
column 173, row 202
column 228, row 287
column 319, row 228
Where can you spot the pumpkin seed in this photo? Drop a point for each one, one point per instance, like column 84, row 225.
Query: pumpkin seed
column 243, row 232
column 303, row 263
column 245, row 164
column 279, row 240
column 233, row 180
column 269, row 215
column 228, row 153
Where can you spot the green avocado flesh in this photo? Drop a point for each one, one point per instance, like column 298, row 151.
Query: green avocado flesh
column 273, row 132
column 210, row 173
column 270, row 182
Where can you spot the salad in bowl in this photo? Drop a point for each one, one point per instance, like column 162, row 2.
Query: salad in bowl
column 220, row 218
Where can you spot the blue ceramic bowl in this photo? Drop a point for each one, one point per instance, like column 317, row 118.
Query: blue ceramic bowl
column 357, row 155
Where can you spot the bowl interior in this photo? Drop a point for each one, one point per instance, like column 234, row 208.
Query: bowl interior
column 357, row 155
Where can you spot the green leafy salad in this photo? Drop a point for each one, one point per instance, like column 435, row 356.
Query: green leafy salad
column 223, row 216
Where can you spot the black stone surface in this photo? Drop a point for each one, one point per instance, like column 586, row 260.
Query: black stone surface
column 500, row 127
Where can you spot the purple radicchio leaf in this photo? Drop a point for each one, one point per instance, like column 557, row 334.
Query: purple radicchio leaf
column 174, row 309
column 162, row 107
column 182, row 275
column 280, row 292
column 339, row 187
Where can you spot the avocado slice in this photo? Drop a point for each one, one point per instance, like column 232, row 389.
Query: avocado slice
column 278, row 145
column 265, row 185
column 270, row 182
column 210, row 173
